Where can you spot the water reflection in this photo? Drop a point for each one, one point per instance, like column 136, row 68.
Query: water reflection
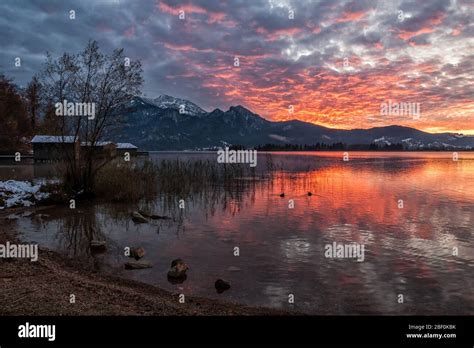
column 409, row 250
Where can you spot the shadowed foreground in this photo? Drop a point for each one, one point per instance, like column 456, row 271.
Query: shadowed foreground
column 44, row 288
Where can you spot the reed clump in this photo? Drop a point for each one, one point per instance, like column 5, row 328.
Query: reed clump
column 133, row 182
column 119, row 182
column 191, row 176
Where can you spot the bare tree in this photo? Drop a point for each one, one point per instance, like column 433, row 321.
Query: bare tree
column 106, row 81
column 33, row 91
column 14, row 125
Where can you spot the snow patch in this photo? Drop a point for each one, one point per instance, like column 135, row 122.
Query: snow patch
column 382, row 140
column 279, row 138
column 168, row 102
column 20, row 193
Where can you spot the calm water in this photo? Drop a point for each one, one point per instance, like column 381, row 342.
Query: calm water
column 408, row 250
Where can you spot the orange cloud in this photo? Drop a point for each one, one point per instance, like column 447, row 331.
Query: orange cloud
column 187, row 8
column 350, row 17
column 276, row 34
column 184, row 48
column 405, row 35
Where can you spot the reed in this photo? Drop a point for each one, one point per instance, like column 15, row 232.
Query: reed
column 117, row 182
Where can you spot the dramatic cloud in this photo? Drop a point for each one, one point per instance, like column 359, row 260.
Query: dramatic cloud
column 328, row 62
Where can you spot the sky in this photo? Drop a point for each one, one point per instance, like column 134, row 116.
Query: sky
column 338, row 64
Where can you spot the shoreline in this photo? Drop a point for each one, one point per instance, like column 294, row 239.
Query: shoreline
column 45, row 287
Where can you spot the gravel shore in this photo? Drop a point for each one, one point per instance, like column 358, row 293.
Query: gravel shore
column 44, row 287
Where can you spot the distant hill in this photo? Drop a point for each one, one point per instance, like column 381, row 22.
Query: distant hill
column 168, row 123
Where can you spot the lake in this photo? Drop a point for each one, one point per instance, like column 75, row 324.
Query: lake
column 412, row 211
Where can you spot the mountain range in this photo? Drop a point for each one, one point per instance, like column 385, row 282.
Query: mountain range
column 168, row 123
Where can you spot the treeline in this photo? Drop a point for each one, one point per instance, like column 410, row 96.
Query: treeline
column 23, row 114
column 330, row 147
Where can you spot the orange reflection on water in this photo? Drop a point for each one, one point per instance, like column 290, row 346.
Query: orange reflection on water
column 416, row 194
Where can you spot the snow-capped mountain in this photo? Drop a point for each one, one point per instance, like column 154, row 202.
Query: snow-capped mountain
column 183, row 106
column 157, row 124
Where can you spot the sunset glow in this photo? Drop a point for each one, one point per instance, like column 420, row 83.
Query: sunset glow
column 334, row 63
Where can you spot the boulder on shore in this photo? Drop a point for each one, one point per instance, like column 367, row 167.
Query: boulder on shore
column 137, row 253
column 159, row 217
column 144, row 213
column 178, row 269
column 98, row 245
column 138, row 265
column 221, row 286
column 152, row 216
column 138, row 218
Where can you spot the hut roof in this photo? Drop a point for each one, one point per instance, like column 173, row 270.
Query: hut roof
column 44, row 139
column 126, row 146
column 97, row 143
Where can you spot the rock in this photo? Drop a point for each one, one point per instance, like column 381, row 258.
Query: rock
column 221, row 286
column 137, row 253
column 175, row 281
column 98, row 245
column 233, row 269
column 149, row 215
column 159, row 217
column 144, row 213
column 27, row 214
column 178, row 269
column 138, row 265
column 178, row 262
column 138, row 218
